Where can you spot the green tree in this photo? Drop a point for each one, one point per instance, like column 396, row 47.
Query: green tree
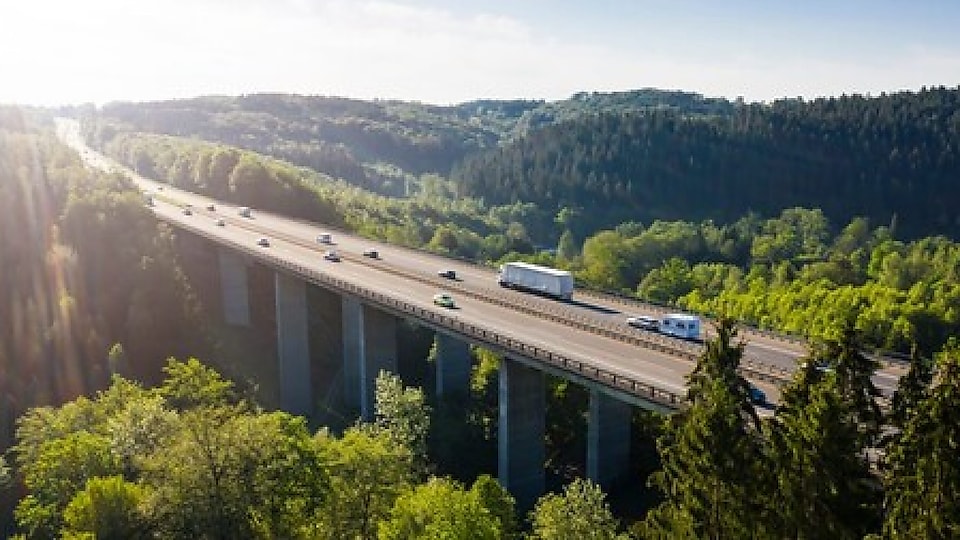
column 116, row 359
column 60, row 469
column 822, row 478
column 567, row 247
column 911, row 388
column 712, row 457
column 580, row 512
column 191, row 384
column 498, row 502
column 668, row 282
column 403, row 414
column 109, row 509
column 854, row 372
column 441, row 508
column 368, row 471
column 227, row 473
column 923, row 480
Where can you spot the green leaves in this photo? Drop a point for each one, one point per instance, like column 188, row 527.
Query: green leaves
column 191, row 384
column 441, row 508
column 580, row 512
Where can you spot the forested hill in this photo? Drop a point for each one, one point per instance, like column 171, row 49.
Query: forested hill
column 383, row 146
column 378, row 145
column 889, row 158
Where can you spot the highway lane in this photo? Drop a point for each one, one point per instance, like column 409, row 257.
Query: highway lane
column 479, row 280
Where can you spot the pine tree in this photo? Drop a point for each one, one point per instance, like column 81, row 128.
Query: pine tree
column 712, row 459
column 912, row 388
column 823, row 486
column 854, row 373
column 923, row 482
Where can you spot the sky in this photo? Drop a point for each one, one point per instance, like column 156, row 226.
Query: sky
column 55, row 52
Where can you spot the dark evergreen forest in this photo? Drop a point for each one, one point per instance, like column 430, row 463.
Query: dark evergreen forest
column 894, row 159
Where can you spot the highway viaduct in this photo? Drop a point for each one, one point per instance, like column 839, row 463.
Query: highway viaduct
column 585, row 341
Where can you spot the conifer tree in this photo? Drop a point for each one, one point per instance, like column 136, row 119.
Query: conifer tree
column 912, row 388
column 823, row 485
column 923, row 481
column 854, row 373
column 711, row 452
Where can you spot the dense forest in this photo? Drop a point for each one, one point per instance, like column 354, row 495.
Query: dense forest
column 890, row 159
column 639, row 156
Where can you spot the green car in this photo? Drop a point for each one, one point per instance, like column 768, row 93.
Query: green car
column 444, row 300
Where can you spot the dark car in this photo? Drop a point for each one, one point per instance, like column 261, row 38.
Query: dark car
column 447, row 273
column 643, row 322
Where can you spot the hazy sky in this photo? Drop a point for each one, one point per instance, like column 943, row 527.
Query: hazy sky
column 447, row 51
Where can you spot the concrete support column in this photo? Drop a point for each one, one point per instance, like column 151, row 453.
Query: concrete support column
column 520, row 438
column 354, row 349
column 608, row 439
column 453, row 366
column 233, row 288
column 369, row 345
column 380, row 353
column 292, row 345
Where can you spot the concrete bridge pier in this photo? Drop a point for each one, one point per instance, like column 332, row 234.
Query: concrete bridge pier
column 293, row 345
column 369, row 346
column 233, row 288
column 520, row 439
column 453, row 366
column 608, row 438
column 380, row 354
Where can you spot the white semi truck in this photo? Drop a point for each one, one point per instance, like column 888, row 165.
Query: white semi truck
column 536, row 279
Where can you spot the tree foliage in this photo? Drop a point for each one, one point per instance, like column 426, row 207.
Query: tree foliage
column 712, row 453
column 580, row 512
column 440, row 508
column 923, row 480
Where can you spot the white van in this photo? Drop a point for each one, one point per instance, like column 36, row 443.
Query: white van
column 680, row 325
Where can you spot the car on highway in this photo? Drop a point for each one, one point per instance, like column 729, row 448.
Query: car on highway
column 263, row 242
column 324, row 238
column 211, row 208
column 372, row 253
column 332, row 256
column 221, row 223
column 643, row 322
column 443, row 299
column 447, row 273
column 757, row 396
column 187, row 211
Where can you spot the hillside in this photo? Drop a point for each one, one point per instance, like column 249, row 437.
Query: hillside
column 384, row 146
column 378, row 145
column 892, row 159
column 637, row 156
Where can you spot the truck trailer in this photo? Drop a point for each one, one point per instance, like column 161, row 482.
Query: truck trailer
column 536, row 279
